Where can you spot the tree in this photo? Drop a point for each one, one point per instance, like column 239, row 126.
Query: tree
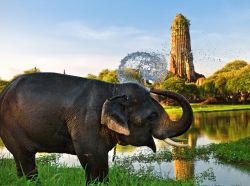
column 105, row 75
column 92, row 76
column 175, row 84
column 240, row 86
column 3, row 84
column 208, row 87
column 179, row 85
column 231, row 66
column 231, row 82
column 220, row 85
column 108, row 75
column 192, row 91
column 32, row 70
column 29, row 71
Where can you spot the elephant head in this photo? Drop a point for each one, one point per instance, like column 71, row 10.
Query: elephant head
column 136, row 117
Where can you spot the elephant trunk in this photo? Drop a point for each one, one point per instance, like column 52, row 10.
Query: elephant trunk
column 169, row 128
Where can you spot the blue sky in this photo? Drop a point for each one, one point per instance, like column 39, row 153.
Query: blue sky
column 87, row 36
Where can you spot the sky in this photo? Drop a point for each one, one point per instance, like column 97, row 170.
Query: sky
column 83, row 37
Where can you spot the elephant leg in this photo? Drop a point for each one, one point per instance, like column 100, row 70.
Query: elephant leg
column 96, row 166
column 90, row 150
column 26, row 162
column 18, row 168
column 24, row 159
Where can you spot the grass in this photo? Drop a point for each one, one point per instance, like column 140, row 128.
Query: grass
column 208, row 108
column 51, row 174
column 123, row 173
column 238, row 151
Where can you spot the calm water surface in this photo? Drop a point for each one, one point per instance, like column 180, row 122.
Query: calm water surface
column 212, row 127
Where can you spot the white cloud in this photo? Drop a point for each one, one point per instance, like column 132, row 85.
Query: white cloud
column 73, row 46
column 81, row 31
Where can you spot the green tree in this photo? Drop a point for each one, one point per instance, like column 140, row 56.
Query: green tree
column 230, row 82
column 209, row 87
column 231, row 66
column 108, row 75
column 175, row 84
column 29, row 71
column 192, row 91
column 220, row 85
column 179, row 85
column 92, row 76
column 3, row 84
column 240, row 86
column 32, row 70
column 105, row 75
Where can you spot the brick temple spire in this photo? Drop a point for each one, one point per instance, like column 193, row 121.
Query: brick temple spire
column 181, row 58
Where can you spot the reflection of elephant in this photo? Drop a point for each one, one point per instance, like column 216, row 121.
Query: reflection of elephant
column 47, row 112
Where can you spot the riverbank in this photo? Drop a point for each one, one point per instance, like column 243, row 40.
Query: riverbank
column 122, row 173
column 52, row 174
column 208, row 108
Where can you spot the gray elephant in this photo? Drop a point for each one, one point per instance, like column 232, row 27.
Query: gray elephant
column 49, row 112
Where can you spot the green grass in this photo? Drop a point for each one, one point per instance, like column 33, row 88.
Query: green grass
column 238, row 151
column 208, row 108
column 52, row 174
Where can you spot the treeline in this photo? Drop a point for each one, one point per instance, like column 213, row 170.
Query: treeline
column 230, row 84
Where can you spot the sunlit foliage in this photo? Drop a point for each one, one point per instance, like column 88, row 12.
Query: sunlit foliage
column 3, row 84
column 29, row 71
column 105, row 75
column 231, row 82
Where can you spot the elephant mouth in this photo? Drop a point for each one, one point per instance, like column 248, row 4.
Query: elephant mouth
column 151, row 144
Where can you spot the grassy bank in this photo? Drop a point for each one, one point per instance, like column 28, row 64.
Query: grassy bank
column 52, row 174
column 208, row 108
column 238, row 151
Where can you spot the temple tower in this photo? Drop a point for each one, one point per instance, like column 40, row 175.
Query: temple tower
column 181, row 58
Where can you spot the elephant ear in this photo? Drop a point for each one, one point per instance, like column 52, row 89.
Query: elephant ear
column 113, row 115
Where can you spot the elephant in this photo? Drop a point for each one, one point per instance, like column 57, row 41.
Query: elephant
column 57, row 113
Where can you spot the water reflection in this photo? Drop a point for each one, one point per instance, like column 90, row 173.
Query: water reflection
column 219, row 127
column 214, row 127
column 185, row 169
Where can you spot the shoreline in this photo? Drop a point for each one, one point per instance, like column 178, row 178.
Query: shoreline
column 208, row 108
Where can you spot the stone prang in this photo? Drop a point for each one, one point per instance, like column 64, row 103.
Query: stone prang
column 181, row 57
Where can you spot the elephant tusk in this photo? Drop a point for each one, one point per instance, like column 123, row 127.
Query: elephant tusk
column 173, row 143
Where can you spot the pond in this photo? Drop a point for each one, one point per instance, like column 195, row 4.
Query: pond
column 210, row 127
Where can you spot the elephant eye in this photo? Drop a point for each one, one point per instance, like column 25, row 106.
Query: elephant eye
column 153, row 116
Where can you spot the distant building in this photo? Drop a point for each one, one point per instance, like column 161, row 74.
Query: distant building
column 181, row 57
